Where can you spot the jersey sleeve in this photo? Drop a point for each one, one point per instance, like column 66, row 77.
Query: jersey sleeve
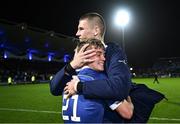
column 59, row 81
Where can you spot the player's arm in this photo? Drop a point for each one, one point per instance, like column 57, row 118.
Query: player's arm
column 59, row 81
column 124, row 108
column 117, row 85
column 65, row 74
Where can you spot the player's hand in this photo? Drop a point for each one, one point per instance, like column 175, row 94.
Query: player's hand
column 81, row 57
column 71, row 87
column 126, row 108
column 130, row 102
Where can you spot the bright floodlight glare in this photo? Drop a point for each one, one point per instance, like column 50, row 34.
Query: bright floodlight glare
column 121, row 18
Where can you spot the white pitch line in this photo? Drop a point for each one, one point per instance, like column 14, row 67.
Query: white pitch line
column 55, row 112
column 29, row 110
column 172, row 119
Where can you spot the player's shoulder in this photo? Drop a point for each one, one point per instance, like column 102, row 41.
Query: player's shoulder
column 112, row 46
column 111, row 43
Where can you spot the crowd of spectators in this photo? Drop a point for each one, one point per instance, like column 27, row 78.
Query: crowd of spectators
column 164, row 67
column 19, row 71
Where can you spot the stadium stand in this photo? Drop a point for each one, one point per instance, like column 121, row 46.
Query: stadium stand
column 21, row 71
column 169, row 67
column 27, row 51
column 165, row 67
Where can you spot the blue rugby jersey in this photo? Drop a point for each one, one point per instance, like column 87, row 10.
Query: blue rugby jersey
column 78, row 109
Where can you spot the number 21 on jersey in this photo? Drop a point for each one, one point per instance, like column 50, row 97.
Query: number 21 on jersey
column 66, row 107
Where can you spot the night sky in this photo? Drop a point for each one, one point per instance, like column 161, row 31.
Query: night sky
column 152, row 33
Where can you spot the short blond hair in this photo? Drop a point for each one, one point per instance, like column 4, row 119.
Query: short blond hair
column 92, row 42
column 95, row 17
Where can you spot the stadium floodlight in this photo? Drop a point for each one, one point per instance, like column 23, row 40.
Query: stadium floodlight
column 30, row 56
column 49, row 58
column 66, row 58
column 122, row 19
column 5, row 55
column 22, row 26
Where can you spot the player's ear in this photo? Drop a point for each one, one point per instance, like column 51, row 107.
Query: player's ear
column 97, row 31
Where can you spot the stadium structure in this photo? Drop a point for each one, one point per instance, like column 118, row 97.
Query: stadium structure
column 30, row 55
column 28, row 51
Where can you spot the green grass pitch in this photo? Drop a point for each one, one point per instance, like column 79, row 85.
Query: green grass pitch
column 33, row 103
